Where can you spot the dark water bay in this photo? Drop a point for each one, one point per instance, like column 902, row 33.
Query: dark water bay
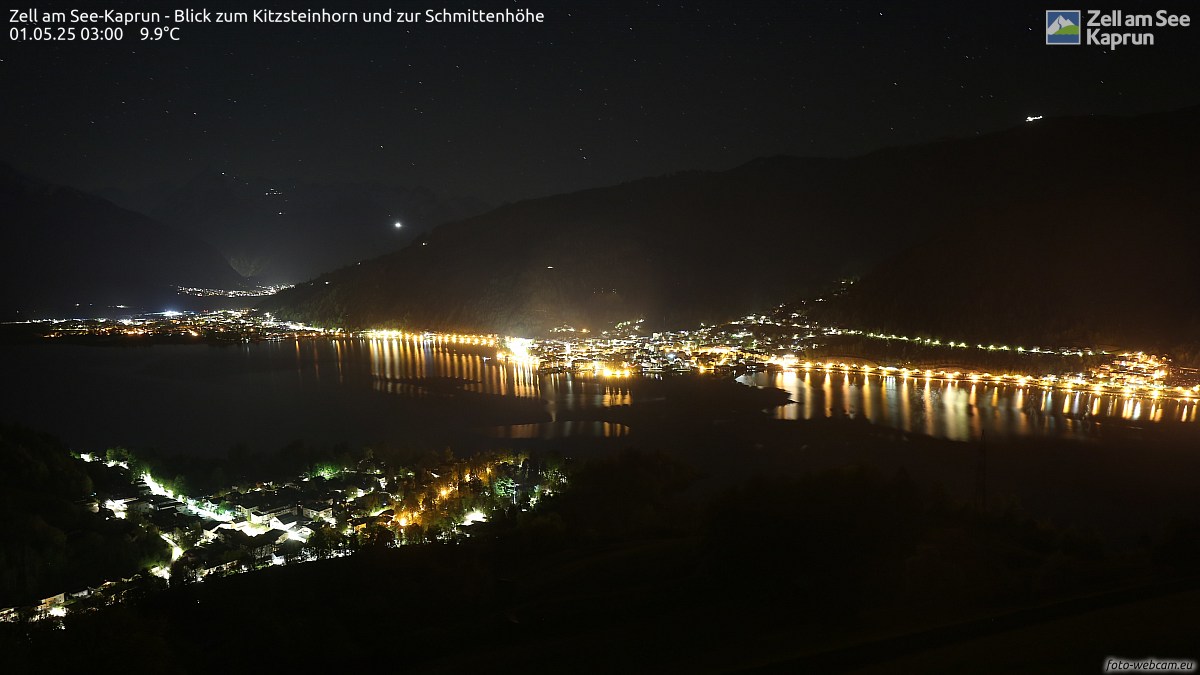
column 204, row 399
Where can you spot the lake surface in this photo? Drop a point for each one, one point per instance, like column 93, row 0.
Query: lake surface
column 961, row 409
column 203, row 399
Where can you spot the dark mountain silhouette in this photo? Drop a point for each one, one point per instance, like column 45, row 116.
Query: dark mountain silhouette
column 280, row 231
column 1063, row 226
column 63, row 247
column 675, row 249
column 1083, row 231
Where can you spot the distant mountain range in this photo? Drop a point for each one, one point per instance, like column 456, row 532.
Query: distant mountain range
column 1074, row 227
column 63, row 248
column 675, row 249
column 1055, row 231
column 280, row 231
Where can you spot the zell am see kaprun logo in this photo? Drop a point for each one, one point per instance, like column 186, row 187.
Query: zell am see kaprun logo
column 1062, row 27
column 1100, row 28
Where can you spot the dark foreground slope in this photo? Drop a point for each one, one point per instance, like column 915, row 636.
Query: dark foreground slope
column 63, row 246
column 796, row 559
column 707, row 245
column 50, row 540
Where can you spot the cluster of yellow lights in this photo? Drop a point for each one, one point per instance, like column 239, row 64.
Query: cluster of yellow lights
column 1154, row 390
column 436, row 493
column 447, row 338
column 519, row 359
column 518, row 350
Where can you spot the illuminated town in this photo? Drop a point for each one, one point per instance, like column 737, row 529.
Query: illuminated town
column 791, row 344
column 781, row 341
column 257, row 292
column 330, row 511
column 242, row 325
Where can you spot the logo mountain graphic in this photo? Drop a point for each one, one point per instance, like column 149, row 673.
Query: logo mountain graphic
column 1062, row 26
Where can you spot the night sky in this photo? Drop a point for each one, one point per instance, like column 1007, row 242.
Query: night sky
column 600, row 93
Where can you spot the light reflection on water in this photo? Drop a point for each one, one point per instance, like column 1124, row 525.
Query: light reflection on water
column 960, row 409
column 562, row 429
column 202, row 399
column 395, row 363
